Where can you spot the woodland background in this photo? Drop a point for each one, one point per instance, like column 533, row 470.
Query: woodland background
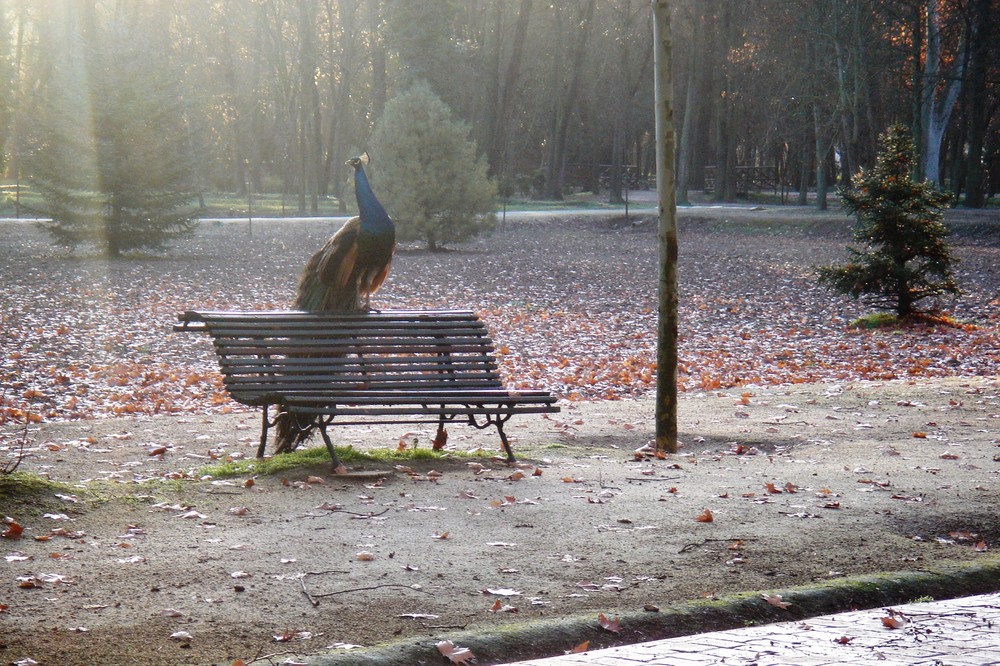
column 272, row 95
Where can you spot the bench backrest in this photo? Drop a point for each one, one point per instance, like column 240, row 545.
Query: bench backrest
column 265, row 354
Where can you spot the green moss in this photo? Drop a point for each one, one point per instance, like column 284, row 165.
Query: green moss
column 876, row 320
column 24, row 485
column 284, row 462
column 27, row 493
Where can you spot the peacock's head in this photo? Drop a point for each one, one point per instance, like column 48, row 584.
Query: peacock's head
column 359, row 161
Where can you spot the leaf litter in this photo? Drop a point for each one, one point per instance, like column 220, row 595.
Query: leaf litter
column 549, row 341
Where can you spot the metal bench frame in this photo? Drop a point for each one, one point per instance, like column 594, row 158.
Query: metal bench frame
column 388, row 367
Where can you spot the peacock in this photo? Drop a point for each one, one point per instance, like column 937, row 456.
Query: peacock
column 353, row 264
column 343, row 275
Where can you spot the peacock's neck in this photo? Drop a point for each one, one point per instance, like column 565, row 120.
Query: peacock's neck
column 373, row 215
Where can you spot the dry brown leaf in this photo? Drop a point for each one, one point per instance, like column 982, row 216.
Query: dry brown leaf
column 893, row 622
column 612, row 625
column 705, row 516
column 582, row 647
column 14, row 529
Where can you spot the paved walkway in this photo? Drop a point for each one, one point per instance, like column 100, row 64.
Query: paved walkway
column 958, row 632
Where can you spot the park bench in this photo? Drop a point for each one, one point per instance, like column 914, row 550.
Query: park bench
column 393, row 366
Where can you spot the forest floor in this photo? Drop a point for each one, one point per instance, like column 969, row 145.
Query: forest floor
column 809, row 450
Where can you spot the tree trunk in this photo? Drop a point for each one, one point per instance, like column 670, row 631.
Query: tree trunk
column 978, row 120
column 505, row 98
column 554, row 180
column 822, row 150
column 667, row 320
column 378, row 60
column 936, row 111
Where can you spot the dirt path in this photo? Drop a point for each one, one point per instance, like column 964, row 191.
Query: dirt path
column 803, row 483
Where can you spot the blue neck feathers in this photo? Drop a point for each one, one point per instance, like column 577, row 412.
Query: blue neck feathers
column 373, row 215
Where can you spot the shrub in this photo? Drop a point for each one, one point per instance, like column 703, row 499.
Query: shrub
column 426, row 172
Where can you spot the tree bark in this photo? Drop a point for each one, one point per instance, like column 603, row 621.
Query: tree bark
column 936, row 111
column 984, row 28
column 667, row 320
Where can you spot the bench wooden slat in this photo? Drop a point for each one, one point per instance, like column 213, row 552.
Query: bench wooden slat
column 254, row 391
column 253, row 363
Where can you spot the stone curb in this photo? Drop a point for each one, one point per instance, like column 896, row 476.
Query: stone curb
column 544, row 638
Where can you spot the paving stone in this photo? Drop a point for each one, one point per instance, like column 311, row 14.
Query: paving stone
column 956, row 632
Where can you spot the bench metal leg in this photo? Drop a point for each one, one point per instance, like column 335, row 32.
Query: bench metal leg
column 497, row 420
column 329, row 446
column 264, row 427
column 506, row 444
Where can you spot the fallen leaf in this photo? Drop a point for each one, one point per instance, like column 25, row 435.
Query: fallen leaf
column 365, row 556
column 893, row 622
column 454, row 653
column 499, row 607
column 582, row 647
column 613, row 626
column 440, row 440
column 775, row 600
column 13, row 531
column 441, row 536
column 705, row 516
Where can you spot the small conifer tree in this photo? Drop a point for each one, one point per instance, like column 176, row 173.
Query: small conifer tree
column 109, row 153
column 906, row 257
column 426, row 172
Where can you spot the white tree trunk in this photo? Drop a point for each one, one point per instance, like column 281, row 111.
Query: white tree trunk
column 936, row 109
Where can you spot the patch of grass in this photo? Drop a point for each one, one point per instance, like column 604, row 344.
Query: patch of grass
column 284, row 462
column 20, row 491
column 891, row 320
column 876, row 320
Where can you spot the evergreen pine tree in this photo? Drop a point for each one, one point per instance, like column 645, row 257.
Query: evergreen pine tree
column 426, row 172
column 109, row 154
column 906, row 257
